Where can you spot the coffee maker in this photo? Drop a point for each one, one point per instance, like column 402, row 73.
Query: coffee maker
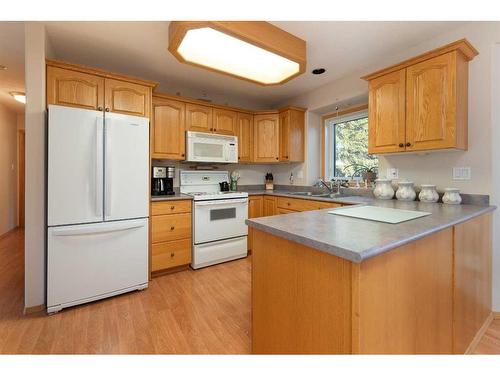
column 162, row 182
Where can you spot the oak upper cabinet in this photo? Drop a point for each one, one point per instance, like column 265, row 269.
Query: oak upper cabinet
column 224, row 121
column 386, row 119
column 167, row 129
column 127, row 98
column 198, row 118
column 291, row 133
column 266, row 138
column 89, row 88
column 74, row 89
column 435, row 118
column 245, row 137
column 421, row 104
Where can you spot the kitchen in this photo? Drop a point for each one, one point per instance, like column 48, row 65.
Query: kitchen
column 225, row 196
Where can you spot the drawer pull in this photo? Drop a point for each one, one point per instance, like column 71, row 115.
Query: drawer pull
column 172, row 227
column 172, row 255
column 172, row 207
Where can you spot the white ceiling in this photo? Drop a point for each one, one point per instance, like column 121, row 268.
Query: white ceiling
column 12, row 56
column 140, row 49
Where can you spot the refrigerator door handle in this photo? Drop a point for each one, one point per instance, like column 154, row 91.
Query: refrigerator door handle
column 98, row 167
column 112, row 227
column 107, row 169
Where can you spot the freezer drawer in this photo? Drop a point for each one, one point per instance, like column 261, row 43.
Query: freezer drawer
column 93, row 261
column 219, row 251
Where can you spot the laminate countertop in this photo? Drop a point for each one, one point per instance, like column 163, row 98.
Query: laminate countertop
column 358, row 239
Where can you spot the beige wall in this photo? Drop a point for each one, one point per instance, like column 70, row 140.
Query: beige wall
column 35, row 52
column 8, row 169
column 434, row 167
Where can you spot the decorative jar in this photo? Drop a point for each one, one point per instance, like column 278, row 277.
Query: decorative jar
column 405, row 191
column 383, row 189
column 428, row 193
column 452, row 196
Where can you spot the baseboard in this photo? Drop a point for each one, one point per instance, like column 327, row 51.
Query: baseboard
column 480, row 333
column 168, row 271
column 33, row 309
column 7, row 233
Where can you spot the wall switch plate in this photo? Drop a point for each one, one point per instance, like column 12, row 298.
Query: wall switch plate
column 461, row 173
column 392, row 173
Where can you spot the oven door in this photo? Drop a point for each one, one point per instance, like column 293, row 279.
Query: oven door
column 220, row 219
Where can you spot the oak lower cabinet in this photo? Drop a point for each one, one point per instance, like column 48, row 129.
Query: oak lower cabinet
column 292, row 135
column 245, row 137
column 421, row 104
column 269, row 206
column 171, row 235
column 168, row 139
column 198, row 118
column 224, row 122
column 89, row 88
column 255, row 209
column 266, row 138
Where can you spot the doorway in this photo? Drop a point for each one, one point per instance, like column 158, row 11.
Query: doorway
column 21, row 139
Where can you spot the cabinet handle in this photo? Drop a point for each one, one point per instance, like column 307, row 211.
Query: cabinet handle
column 172, row 228
column 288, row 203
column 408, row 144
column 99, row 109
column 286, row 157
column 107, row 109
column 401, row 145
column 172, row 255
column 182, row 155
column 277, row 158
column 172, row 207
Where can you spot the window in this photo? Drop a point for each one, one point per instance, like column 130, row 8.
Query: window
column 346, row 145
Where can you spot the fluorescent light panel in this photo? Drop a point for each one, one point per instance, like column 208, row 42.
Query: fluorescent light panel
column 216, row 50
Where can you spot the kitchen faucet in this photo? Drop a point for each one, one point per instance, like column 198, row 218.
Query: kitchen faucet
column 329, row 185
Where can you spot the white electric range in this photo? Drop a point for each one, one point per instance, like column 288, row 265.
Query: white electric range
column 219, row 229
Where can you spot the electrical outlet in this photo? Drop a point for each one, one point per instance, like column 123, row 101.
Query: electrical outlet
column 392, row 173
column 461, row 173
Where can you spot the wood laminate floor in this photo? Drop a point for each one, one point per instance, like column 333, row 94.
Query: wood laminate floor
column 204, row 311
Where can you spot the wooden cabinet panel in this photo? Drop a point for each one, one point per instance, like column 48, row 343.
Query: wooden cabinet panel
column 127, row 98
column 266, row 138
column 292, row 135
column 74, row 89
column 431, row 103
column 284, row 211
column 170, row 207
column 170, row 227
column 472, row 280
column 245, row 137
column 302, row 204
column 170, row 254
column 255, row 209
column 167, row 130
column 269, row 206
column 386, row 119
column 198, row 118
column 322, row 205
column 224, row 122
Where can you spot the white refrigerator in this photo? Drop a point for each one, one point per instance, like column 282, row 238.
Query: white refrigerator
column 97, row 205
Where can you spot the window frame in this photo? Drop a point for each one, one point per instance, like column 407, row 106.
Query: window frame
column 349, row 114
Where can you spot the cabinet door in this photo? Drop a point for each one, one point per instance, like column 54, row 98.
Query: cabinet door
column 127, row 98
column 386, row 113
column 245, row 137
column 284, row 135
column 198, row 118
column 431, row 103
column 224, row 122
column 167, row 135
column 269, row 206
column 255, row 209
column 74, row 89
column 266, row 138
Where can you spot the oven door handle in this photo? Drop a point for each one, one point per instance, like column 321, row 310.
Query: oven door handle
column 219, row 202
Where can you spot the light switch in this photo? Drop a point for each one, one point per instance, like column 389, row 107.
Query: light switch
column 461, row 173
column 392, row 173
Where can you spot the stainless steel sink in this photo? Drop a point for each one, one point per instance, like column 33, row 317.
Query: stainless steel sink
column 301, row 193
column 318, row 195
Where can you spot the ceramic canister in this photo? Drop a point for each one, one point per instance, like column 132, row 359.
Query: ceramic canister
column 383, row 189
column 405, row 191
column 428, row 193
column 452, row 196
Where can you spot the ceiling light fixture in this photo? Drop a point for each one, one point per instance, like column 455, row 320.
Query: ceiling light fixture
column 251, row 50
column 19, row 96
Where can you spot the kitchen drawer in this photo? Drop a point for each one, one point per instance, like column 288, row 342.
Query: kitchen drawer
column 297, row 204
column 282, row 211
column 170, row 207
column 170, row 254
column 322, row 205
column 170, row 227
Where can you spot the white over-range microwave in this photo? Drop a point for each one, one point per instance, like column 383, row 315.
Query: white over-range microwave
column 211, row 148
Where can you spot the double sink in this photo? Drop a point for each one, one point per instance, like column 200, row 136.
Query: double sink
column 317, row 195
